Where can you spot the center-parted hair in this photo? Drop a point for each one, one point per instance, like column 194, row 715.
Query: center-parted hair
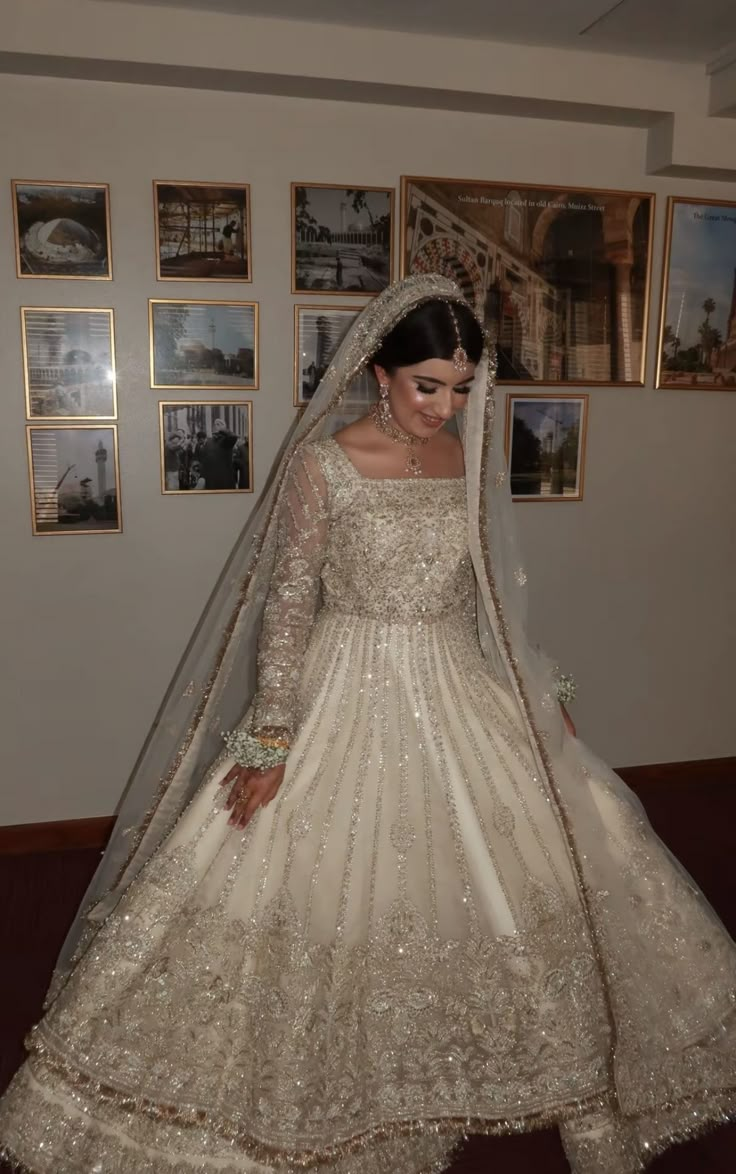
column 429, row 332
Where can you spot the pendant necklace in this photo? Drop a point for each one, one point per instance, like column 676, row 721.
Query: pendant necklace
column 381, row 415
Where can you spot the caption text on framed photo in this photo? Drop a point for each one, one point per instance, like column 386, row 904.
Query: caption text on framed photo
column 69, row 363
column 560, row 276
column 202, row 231
column 203, row 344
column 74, row 479
column 206, row 447
column 341, row 239
column 62, row 230
column 545, row 446
column 697, row 325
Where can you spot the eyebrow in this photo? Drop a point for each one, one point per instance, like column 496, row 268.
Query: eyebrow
column 440, row 382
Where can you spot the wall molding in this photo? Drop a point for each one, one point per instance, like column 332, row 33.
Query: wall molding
column 92, row 834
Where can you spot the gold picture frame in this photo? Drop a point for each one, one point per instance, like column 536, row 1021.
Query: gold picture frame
column 69, row 365
column 698, row 279
column 318, row 350
column 546, row 452
column 218, row 235
column 62, row 230
column 195, row 366
column 205, row 451
column 62, row 501
column 362, row 253
column 560, row 276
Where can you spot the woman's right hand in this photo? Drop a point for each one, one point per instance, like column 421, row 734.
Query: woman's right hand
column 251, row 789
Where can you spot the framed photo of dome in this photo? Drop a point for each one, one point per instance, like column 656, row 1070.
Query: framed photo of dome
column 62, row 230
column 342, row 239
column 69, row 363
column 203, row 344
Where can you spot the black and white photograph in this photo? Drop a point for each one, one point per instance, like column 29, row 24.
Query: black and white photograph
column 545, row 441
column 203, row 344
column 62, row 230
column 75, row 480
column 318, row 332
column 69, row 363
column 202, row 231
column 206, row 447
column 560, row 276
column 342, row 239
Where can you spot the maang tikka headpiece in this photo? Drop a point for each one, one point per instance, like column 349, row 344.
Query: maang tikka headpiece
column 459, row 355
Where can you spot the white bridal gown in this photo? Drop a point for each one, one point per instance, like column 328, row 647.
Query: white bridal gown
column 394, row 952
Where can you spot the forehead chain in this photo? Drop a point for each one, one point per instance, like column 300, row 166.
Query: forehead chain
column 459, row 355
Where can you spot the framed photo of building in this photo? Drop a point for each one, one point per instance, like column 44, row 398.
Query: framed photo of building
column 697, row 323
column 560, row 276
column 545, row 446
column 206, row 447
column 318, row 332
column 203, row 344
column 202, row 231
column 62, row 230
column 75, row 479
column 342, row 239
column 69, row 363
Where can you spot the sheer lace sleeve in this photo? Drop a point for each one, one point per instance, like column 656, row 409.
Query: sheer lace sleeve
column 293, row 596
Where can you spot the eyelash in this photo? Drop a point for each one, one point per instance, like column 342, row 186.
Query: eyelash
column 432, row 390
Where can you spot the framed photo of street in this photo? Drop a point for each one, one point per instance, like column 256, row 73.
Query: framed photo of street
column 341, row 239
column 318, row 332
column 697, row 323
column 202, row 231
column 69, row 363
column 62, row 230
column 560, row 276
column 206, row 447
column 203, row 344
column 545, row 446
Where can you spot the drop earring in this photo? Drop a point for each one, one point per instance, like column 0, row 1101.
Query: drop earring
column 383, row 406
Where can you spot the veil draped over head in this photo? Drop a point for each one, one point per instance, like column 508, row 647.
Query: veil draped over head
column 658, row 1057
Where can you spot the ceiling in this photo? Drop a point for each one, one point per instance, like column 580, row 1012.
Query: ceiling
column 676, row 30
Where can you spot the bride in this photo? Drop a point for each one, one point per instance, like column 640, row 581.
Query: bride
column 400, row 902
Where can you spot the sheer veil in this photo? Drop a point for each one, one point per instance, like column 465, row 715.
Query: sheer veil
column 668, row 1041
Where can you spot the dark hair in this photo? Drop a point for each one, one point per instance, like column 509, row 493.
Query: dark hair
column 428, row 332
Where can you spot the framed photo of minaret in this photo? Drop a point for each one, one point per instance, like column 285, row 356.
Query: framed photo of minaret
column 697, row 324
column 341, row 239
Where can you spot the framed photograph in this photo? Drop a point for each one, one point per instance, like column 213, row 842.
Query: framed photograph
column 560, row 276
column 206, row 447
column 342, row 239
column 545, row 446
column 202, row 231
column 69, row 363
column 697, row 324
column 62, row 230
column 75, row 479
column 318, row 332
column 203, row 344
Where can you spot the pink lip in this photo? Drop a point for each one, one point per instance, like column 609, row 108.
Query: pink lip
column 432, row 421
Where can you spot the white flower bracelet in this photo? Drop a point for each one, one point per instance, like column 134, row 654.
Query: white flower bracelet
column 258, row 753
column 566, row 689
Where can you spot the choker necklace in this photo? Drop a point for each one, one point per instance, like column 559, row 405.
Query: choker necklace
column 384, row 424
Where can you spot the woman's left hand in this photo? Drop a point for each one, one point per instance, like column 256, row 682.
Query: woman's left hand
column 569, row 723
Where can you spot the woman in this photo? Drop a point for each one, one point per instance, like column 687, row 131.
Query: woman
column 404, row 904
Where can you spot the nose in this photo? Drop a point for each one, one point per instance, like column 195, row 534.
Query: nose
column 444, row 406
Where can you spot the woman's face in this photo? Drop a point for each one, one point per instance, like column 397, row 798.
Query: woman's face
column 424, row 397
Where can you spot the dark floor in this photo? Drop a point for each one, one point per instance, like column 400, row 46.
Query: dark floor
column 39, row 894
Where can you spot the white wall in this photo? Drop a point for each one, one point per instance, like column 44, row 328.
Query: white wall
column 631, row 589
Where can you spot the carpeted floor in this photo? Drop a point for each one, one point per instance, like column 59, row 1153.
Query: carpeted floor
column 40, row 892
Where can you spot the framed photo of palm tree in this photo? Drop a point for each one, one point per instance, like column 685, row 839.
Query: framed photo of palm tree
column 697, row 325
